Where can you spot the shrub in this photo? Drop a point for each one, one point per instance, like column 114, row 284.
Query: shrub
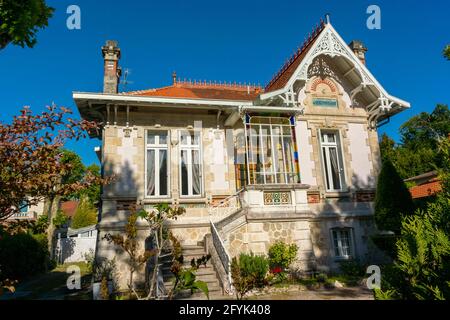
column 247, row 272
column 23, row 255
column 352, row 268
column 392, row 199
column 254, row 266
column 282, row 255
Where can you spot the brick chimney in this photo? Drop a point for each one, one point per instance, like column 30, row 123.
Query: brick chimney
column 359, row 49
column 112, row 71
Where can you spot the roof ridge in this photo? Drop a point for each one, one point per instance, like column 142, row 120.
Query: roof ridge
column 306, row 42
column 214, row 84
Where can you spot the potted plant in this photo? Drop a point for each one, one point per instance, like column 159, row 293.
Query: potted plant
column 103, row 279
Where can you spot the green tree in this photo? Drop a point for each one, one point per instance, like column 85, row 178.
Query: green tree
column 447, row 52
column 392, row 199
column 85, row 215
column 21, row 20
column 422, row 266
column 93, row 191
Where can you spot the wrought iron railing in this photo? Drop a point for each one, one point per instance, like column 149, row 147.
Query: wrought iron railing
column 221, row 252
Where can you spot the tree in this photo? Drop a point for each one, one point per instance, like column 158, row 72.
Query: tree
column 21, row 20
column 85, row 215
column 32, row 165
column 447, row 52
column 422, row 266
column 392, row 199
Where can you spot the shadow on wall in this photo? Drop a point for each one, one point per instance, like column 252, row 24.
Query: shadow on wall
column 124, row 184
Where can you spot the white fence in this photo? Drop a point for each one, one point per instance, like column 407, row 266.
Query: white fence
column 74, row 249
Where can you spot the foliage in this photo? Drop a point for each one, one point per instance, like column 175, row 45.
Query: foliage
column 247, row 272
column 185, row 278
column 31, row 166
column 420, row 137
column 8, row 285
column 103, row 269
column 21, row 20
column 352, row 268
column 422, row 268
column 23, row 255
column 41, row 224
column 282, row 255
column 447, row 51
column 85, row 215
column 392, row 199
column 104, row 290
column 60, row 220
column 242, row 284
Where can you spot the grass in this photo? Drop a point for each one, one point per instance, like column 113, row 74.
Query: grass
column 53, row 285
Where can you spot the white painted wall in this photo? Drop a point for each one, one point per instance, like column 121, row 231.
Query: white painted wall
column 360, row 151
column 305, row 150
column 75, row 249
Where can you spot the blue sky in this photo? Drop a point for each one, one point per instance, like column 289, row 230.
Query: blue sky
column 226, row 41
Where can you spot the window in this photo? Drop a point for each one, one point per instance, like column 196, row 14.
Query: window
column 23, row 207
column 157, row 179
column 271, row 151
column 190, row 163
column 332, row 160
column 343, row 243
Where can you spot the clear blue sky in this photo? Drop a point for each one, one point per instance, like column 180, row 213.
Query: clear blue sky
column 223, row 40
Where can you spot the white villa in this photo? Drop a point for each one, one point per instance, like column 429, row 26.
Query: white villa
column 295, row 161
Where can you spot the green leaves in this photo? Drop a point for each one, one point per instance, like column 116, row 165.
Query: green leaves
column 21, row 20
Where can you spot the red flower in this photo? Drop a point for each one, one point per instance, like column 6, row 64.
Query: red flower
column 276, row 270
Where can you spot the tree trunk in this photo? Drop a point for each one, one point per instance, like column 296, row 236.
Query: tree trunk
column 52, row 210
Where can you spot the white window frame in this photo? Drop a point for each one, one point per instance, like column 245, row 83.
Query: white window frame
column 341, row 162
column 190, row 147
column 339, row 248
column 157, row 147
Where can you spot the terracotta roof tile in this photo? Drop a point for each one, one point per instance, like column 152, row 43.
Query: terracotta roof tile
column 287, row 70
column 69, row 208
column 203, row 90
column 425, row 190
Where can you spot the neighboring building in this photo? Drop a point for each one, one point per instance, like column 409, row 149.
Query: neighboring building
column 425, row 185
column 295, row 161
column 69, row 208
column 31, row 212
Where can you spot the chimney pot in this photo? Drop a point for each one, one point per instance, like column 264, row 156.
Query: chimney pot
column 112, row 71
column 359, row 49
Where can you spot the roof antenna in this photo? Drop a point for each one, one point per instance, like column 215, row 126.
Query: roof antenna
column 125, row 80
column 327, row 18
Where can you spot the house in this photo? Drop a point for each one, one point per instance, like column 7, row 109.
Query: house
column 296, row 160
column 28, row 212
column 425, row 185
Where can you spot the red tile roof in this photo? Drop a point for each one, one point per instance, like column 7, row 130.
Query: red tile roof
column 203, row 90
column 280, row 79
column 69, row 208
column 426, row 189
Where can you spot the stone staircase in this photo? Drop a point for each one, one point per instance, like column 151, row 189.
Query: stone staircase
column 204, row 273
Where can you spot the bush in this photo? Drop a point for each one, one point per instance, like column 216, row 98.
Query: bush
column 23, row 255
column 352, row 268
column 392, row 199
column 248, row 272
column 254, row 266
column 282, row 255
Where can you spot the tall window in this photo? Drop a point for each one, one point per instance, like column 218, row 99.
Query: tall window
column 191, row 163
column 271, row 151
column 157, row 164
column 343, row 243
column 332, row 160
